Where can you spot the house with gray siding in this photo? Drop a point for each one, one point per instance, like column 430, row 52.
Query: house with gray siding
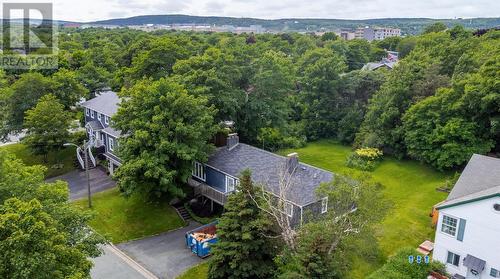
column 101, row 135
column 218, row 177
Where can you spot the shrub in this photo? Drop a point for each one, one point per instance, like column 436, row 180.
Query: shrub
column 399, row 267
column 364, row 159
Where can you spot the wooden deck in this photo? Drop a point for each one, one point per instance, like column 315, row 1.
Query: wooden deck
column 203, row 189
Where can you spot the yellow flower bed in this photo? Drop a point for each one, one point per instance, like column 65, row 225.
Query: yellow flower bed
column 369, row 153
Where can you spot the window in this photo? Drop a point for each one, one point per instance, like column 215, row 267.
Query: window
column 449, row 225
column 199, row 171
column 92, row 113
column 453, row 259
column 111, row 144
column 99, row 116
column 87, row 111
column 324, row 205
column 230, row 183
column 289, row 209
column 106, row 119
column 494, row 273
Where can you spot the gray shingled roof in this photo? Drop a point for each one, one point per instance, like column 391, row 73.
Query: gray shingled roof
column 110, row 131
column 266, row 168
column 480, row 178
column 95, row 125
column 106, row 103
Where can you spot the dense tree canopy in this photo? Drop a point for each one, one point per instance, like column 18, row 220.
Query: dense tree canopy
column 41, row 234
column 165, row 130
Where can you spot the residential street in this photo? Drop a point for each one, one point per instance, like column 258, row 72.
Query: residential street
column 165, row 255
column 114, row 264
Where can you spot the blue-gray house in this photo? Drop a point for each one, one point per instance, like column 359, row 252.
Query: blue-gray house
column 218, row 177
column 98, row 113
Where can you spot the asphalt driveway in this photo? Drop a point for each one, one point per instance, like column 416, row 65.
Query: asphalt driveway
column 77, row 182
column 165, row 255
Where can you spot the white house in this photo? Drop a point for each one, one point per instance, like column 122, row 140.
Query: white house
column 468, row 230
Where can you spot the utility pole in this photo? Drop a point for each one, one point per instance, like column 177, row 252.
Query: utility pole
column 87, row 171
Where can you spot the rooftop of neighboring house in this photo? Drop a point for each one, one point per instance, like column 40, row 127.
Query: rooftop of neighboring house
column 105, row 102
column 268, row 169
column 479, row 180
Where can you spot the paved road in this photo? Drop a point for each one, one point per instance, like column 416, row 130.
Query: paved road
column 114, row 264
column 165, row 255
column 77, row 181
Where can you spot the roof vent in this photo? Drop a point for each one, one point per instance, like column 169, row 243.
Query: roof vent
column 496, row 206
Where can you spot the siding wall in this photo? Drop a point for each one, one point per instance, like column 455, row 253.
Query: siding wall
column 480, row 236
column 311, row 210
column 89, row 118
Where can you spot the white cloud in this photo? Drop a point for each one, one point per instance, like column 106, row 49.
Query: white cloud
column 89, row 10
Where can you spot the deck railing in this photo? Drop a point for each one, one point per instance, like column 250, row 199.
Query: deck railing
column 208, row 191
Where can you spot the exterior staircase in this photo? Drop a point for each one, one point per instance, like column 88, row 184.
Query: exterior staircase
column 181, row 210
column 80, row 156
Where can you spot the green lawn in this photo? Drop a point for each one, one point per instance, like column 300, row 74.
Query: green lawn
column 122, row 219
column 408, row 185
column 197, row 272
column 66, row 157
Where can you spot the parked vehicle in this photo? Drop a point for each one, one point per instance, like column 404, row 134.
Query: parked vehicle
column 200, row 239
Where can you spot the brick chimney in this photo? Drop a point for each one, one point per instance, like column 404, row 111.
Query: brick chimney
column 292, row 162
column 232, row 141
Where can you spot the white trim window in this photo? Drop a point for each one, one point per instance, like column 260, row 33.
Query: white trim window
column 449, row 225
column 111, row 145
column 288, row 209
column 87, row 111
column 324, row 205
column 92, row 113
column 99, row 116
column 199, row 171
column 453, row 259
column 106, row 119
column 231, row 183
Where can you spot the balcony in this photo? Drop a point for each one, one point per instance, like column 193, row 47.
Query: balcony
column 205, row 190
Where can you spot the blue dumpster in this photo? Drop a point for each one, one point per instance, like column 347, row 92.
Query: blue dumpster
column 200, row 239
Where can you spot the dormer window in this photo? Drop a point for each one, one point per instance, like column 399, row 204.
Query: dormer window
column 99, row 116
column 106, row 119
column 87, row 111
column 92, row 113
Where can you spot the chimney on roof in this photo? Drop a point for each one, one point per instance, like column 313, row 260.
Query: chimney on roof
column 232, row 141
column 292, row 162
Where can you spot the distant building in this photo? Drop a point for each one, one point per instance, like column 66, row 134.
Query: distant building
column 388, row 62
column 376, row 33
column 347, row 34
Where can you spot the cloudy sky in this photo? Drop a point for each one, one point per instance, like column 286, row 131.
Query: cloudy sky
column 89, row 10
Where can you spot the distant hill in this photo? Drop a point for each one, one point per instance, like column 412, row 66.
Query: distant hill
column 407, row 25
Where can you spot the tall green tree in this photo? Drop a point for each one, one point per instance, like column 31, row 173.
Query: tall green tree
column 320, row 80
column 47, row 126
column 67, row 88
column 244, row 249
column 165, row 130
column 41, row 234
column 22, row 95
column 265, row 102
